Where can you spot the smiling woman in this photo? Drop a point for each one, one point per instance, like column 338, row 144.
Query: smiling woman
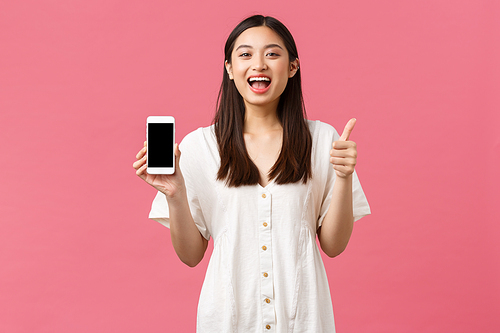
column 264, row 182
column 259, row 50
column 262, row 60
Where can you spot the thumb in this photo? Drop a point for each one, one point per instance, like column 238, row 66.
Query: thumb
column 347, row 130
column 177, row 156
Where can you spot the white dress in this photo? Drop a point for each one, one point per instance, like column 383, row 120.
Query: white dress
column 266, row 273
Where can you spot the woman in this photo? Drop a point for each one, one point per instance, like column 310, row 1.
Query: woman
column 263, row 182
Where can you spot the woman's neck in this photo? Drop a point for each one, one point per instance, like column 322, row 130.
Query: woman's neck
column 261, row 119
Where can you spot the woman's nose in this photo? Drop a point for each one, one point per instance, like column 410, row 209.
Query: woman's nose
column 259, row 63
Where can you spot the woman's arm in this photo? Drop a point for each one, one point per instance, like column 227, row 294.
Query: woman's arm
column 188, row 242
column 336, row 229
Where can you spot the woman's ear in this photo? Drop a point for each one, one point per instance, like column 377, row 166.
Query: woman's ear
column 294, row 67
column 229, row 69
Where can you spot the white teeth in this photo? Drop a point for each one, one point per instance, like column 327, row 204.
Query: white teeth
column 259, row 79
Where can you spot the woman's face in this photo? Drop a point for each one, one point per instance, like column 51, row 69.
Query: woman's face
column 260, row 66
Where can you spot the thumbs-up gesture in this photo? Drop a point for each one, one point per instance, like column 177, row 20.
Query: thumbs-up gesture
column 344, row 153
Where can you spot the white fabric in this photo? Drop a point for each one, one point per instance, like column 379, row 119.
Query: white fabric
column 236, row 295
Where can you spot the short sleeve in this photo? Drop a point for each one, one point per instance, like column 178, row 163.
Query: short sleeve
column 360, row 204
column 159, row 210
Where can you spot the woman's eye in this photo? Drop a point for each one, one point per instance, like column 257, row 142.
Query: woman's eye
column 272, row 54
column 245, row 54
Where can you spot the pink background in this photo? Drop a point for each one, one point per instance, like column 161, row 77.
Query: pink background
column 79, row 78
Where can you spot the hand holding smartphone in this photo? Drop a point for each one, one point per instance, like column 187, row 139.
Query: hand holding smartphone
column 160, row 135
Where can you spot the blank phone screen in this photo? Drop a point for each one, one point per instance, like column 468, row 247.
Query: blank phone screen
column 161, row 145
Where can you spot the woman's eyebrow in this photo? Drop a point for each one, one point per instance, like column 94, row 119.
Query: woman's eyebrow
column 268, row 46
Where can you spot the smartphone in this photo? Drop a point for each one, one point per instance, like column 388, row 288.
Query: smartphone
column 160, row 134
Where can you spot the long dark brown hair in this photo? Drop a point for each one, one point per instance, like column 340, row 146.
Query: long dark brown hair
column 294, row 161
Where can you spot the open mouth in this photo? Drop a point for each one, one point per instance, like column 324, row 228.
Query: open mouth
column 259, row 82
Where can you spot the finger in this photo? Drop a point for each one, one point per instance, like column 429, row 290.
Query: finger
column 140, row 172
column 343, row 171
column 350, row 152
column 141, row 153
column 348, row 129
column 343, row 161
column 139, row 163
column 343, row 145
column 338, row 153
column 343, row 154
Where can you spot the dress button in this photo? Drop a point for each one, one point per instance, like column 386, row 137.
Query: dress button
column 264, row 248
column 268, row 300
column 265, row 275
column 268, row 327
column 264, row 224
column 264, row 195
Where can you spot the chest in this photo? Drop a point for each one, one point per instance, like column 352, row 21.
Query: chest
column 264, row 151
column 249, row 211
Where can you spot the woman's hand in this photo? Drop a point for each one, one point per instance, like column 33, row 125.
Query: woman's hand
column 170, row 185
column 344, row 153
